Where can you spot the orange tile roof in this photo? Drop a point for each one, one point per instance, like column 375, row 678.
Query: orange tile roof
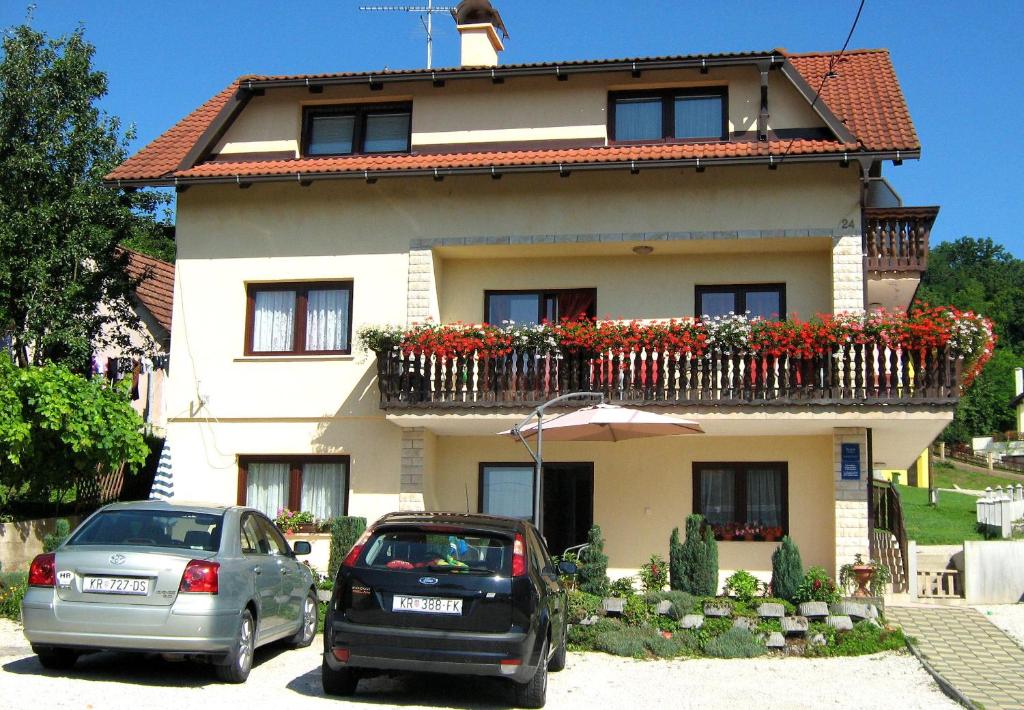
column 864, row 94
column 156, row 291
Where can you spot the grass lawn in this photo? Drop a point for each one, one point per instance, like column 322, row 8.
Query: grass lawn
column 946, row 476
column 950, row 523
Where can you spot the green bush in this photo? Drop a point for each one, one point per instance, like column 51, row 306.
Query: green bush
column 54, row 540
column 345, row 531
column 12, row 590
column 621, row 588
column 863, row 639
column 583, row 606
column 735, row 643
column 637, row 611
column 787, row 569
column 713, row 628
column 695, row 564
column 643, row 642
column 654, row 574
column 742, row 585
column 592, row 573
column 682, row 603
column 675, row 563
column 581, row 638
column 816, row 586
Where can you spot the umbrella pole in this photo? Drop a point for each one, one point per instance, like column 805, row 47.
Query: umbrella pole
column 537, row 456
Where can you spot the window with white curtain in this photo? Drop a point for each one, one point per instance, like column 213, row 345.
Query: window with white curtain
column 266, row 487
column 300, row 318
column 314, row 484
column 742, row 493
column 323, row 489
column 507, row 490
column 668, row 115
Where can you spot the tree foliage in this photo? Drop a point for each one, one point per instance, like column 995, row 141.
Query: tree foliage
column 695, row 566
column 58, row 429
column 592, row 572
column 60, row 227
column 980, row 275
column 787, row 569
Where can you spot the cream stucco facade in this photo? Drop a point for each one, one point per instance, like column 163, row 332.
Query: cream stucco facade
column 416, row 248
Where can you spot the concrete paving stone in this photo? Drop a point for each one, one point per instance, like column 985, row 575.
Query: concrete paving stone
column 794, row 625
column 664, row 607
column 775, row 640
column 720, row 611
column 745, row 622
column 692, row 621
column 839, row 623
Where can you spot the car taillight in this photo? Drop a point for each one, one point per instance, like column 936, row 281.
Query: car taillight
column 519, row 557
column 200, row 577
column 353, row 554
column 43, row 572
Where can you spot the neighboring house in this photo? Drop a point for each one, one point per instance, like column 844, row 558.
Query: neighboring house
column 918, row 475
column 152, row 302
column 311, row 206
column 1018, row 399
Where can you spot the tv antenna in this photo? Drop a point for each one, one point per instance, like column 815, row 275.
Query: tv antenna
column 426, row 13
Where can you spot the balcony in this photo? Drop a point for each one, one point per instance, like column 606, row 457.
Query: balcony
column 852, row 374
column 896, row 238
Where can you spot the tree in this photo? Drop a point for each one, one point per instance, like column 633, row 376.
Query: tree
column 58, row 430
column 982, row 276
column 60, row 227
column 787, row 569
column 592, row 571
column 696, row 571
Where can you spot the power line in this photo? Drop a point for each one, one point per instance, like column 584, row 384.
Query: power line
column 829, row 73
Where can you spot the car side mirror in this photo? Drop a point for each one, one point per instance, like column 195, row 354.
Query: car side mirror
column 566, row 567
column 301, row 547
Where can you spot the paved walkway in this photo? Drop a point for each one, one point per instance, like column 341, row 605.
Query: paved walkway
column 970, row 652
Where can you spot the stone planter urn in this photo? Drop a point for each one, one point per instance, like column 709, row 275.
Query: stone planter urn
column 863, row 574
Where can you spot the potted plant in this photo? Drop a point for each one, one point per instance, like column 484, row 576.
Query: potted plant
column 291, row 522
column 725, row 531
column 864, row 579
column 773, row 534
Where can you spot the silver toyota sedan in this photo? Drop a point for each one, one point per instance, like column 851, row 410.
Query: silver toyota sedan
column 200, row 581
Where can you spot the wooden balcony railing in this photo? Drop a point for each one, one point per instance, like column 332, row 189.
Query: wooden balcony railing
column 850, row 374
column 896, row 238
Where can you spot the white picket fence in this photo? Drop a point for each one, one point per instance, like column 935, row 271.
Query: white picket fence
column 998, row 508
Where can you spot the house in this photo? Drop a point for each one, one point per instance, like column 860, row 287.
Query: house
column 310, row 207
column 152, row 303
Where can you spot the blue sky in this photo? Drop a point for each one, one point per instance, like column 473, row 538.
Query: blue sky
column 955, row 60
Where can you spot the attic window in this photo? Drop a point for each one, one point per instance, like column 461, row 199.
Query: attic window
column 354, row 129
column 668, row 115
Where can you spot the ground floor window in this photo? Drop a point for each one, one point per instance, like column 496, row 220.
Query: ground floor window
column 507, row 489
column 743, row 500
column 317, row 484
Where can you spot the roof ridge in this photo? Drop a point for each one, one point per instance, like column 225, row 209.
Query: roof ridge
column 865, row 50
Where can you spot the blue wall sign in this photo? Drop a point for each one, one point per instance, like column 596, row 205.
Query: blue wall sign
column 850, row 462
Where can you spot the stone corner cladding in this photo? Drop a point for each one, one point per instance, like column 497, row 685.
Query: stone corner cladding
column 851, row 499
column 410, row 495
column 848, row 274
column 421, row 284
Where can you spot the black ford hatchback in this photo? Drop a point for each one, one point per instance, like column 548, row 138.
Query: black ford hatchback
column 447, row 593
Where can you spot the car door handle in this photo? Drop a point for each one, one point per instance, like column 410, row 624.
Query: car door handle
column 257, row 570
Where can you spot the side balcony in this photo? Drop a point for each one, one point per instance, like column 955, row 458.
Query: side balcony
column 854, row 374
column 896, row 252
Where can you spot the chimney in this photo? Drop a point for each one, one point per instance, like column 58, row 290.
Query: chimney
column 479, row 22
column 480, row 45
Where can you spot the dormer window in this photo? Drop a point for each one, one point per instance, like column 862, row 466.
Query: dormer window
column 354, row 128
column 668, row 115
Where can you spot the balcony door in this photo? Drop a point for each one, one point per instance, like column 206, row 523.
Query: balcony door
column 568, row 504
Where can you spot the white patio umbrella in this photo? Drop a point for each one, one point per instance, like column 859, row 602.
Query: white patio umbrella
column 600, row 422
column 607, row 422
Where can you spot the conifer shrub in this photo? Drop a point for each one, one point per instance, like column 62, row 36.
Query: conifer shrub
column 345, row 530
column 787, row 570
column 60, row 533
column 592, row 571
column 694, row 563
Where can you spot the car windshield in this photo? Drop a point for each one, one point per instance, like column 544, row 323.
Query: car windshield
column 470, row 553
column 152, row 528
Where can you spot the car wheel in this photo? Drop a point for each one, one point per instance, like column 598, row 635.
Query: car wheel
column 557, row 661
column 342, row 681
column 56, row 659
column 238, row 663
column 534, row 693
column 307, row 632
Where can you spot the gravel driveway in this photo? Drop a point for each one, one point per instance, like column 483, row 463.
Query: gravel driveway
column 291, row 679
